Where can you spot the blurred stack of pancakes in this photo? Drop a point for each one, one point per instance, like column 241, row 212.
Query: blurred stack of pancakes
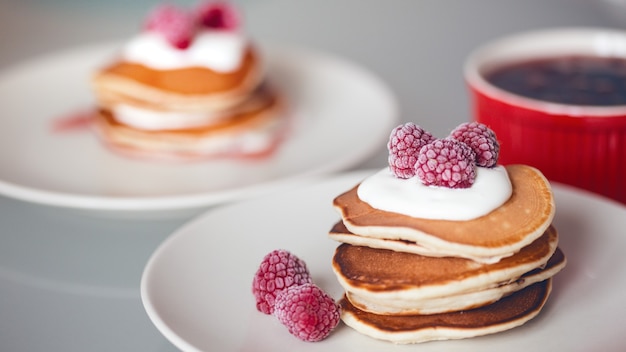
column 188, row 112
column 410, row 280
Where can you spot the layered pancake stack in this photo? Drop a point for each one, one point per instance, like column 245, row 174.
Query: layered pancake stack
column 190, row 85
column 445, row 260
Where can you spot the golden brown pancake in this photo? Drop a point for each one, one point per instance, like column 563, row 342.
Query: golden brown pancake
column 507, row 313
column 340, row 233
column 185, row 89
column 190, row 80
column 518, row 222
column 460, row 301
column 380, row 274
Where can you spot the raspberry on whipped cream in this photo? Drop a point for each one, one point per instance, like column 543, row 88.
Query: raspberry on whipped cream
column 481, row 139
column 173, row 23
column 447, row 180
column 176, row 38
column 404, row 145
column 217, row 15
column 447, row 163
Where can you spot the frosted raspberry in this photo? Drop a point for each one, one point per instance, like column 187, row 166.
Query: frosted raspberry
column 481, row 139
column 404, row 144
column 307, row 311
column 217, row 15
column 279, row 270
column 175, row 24
column 447, row 163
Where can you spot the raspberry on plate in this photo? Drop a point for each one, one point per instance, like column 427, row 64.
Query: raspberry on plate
column 446, row 163
column 307, row 311
column 175, row 24
column 481, row 139
column 278, row 270
column 404, row 144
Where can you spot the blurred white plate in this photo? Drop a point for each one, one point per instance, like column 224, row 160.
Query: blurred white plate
column 196, row 288
column 343, row 114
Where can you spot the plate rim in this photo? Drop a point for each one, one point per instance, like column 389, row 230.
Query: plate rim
column 136, row 204
column 181, row 232
column 354, row 175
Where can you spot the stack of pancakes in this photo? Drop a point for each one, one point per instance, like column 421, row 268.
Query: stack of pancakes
column 410, row 280
column 193, row 111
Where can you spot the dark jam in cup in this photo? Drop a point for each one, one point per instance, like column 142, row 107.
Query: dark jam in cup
column 577, row 80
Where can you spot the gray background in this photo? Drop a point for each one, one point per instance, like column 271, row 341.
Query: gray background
column 70, row 281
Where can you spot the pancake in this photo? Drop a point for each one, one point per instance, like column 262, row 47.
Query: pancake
column 340, row 233
column 185, row 89
column 499, row 234
column 203, row 95
column 254, row 129
column 507, row 313
column 462, row 301
column 409, row 279
column 379, row 274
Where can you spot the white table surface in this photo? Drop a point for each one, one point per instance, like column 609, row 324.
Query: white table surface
column 69, row 281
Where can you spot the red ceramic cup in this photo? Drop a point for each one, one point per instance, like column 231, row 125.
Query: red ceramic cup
column 583, row 146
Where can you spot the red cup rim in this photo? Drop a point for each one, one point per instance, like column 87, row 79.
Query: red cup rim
column 542, row 44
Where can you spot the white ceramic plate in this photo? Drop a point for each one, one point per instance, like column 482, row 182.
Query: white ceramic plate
column 196, row 287
column 342, row 112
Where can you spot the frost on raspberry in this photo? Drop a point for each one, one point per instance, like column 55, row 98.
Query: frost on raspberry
column 218, row 15
column 404, row 145
column 278, row 270
column 176, row 25
column 446, row 163
column 481, row 139
column 307, row 311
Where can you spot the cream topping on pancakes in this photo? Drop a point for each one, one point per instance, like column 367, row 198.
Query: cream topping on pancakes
column 410, row 197
column 152, row 120
column 220, row 51
column 520, row 220
column 155, row 120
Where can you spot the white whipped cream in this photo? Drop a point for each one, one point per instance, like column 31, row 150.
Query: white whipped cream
column 410, row 197
column 220, row 51
column 162, row 120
